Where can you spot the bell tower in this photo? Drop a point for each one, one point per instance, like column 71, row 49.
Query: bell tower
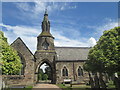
column 45, row 39
column 45, row 48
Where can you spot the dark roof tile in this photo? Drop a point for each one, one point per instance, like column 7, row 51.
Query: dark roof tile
column 72, row 53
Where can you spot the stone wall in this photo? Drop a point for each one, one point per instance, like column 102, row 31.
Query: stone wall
column 72, row 72
column 14, row 80
column 41, row 57
column 21, row 48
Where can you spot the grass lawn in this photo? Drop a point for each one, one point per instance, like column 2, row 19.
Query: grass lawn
column 25, row 88
column 110, row 84
column 80, row 87
column 83, row 87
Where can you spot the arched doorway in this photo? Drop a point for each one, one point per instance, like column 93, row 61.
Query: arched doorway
column 45, row 72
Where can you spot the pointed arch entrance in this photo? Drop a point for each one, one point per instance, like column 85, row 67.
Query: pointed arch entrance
column 46, row 74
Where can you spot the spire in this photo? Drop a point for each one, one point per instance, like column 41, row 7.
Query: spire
column 45, row 16
column 45, row 25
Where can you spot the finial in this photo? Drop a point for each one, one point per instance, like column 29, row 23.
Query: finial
column 46, row 13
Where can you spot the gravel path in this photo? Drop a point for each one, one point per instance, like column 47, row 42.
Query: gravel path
column 46, row 87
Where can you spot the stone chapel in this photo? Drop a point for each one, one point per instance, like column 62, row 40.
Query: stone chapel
column 65, row 62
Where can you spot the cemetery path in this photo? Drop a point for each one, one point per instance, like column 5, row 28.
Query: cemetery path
column 47, row 86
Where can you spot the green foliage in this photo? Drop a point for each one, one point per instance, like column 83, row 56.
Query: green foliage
column 110, row 84
column 2, row 38
column 45, row 77
column 109, row 43
column 40, row 75
column 105, row 56
column 29, row 87
column 94, row 62
column 74, row 87
column 8, row 57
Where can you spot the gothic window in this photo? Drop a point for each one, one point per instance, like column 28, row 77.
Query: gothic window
column 45, row 45
column 80, row 71
column 22, row 71
column 64, row 72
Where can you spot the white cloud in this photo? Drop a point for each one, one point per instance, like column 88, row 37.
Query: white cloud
column 92, row 42
column 21, row 30
column 29, row 36
column 40, row 7
column 62, row 40
column 65, row 41
column 107, row 26
column 23, row 6
column 33, row 12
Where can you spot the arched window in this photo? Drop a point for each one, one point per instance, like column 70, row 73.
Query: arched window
column 22, row 71
column 45, row 45
column 64, row 72
column 80, row 71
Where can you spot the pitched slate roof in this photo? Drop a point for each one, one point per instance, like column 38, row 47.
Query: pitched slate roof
column 72, row 53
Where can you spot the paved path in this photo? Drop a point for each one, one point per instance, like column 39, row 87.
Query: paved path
column 47, row 86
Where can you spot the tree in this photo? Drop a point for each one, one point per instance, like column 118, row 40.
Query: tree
column 11, row 64
column 109, row 43
column 105, row 56
column 45, row 77
column 95, row 65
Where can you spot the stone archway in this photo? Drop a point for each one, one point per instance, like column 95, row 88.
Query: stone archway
column 52, row 67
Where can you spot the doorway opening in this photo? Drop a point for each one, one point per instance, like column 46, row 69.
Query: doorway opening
column 45, row 73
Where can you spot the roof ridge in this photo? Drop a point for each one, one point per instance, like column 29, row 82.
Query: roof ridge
column 23, row 43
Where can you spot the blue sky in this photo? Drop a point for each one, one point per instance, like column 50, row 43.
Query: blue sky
column 73, row 24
